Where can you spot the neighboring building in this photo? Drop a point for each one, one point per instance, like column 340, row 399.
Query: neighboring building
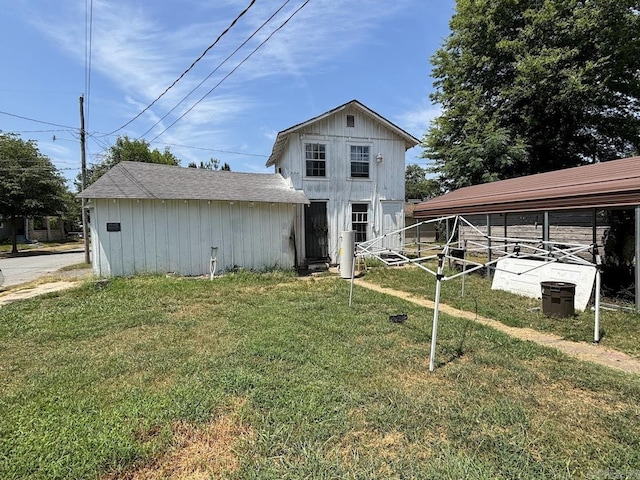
column 5, row 229
column 350, row 163
column 150, row 218
column 43, row 229
column 563, row 206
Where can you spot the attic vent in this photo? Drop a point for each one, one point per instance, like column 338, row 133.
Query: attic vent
column 351, row 121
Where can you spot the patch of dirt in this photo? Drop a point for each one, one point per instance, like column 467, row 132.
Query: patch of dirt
column 197, row 453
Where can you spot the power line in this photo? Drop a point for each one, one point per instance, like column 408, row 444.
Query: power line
column 235, row 20
column 216, row 69
column 213, row 150
column 234, row 69
column 39, row 121
column 41, row 131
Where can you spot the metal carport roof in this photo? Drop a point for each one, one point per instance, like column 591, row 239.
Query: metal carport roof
column 601, row 185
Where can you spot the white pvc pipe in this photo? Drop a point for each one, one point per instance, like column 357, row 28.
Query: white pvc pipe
column 434, row 331
column 464, row 265
column 353, row 274
column 596, row 328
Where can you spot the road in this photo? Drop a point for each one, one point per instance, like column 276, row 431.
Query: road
column 26, row 269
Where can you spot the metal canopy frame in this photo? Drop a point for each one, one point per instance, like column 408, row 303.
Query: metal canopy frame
column 503, row 246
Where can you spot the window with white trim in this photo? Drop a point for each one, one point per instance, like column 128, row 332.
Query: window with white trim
column 316, row 159
column 360, row 220
column 351, row 121
column 360, row 155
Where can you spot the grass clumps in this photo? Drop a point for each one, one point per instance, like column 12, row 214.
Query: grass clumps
column 265, row 376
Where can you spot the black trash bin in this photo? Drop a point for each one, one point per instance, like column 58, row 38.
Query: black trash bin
column 558, row 299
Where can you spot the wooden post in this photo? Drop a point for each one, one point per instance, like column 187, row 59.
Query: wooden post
column 83, row 176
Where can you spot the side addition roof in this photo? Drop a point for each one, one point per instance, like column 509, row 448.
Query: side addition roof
column 283, row 136
column 608, row 184
column 137, row 180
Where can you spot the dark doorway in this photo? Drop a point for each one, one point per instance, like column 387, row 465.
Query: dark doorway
column 316, row 231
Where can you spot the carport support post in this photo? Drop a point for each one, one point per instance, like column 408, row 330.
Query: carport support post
column 488, row 244
column 506, row 225
column 637, row 257
column 434, row 331
column 596, row 327
column 545, row 230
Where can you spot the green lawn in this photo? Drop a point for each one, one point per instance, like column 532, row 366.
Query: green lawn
column 58, row 245
column 618, row 330
column 269, row 377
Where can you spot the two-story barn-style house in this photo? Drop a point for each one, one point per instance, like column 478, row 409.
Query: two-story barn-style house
column 350, row 163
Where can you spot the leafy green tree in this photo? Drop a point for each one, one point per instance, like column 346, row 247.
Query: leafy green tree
column 529, row 86
column 30, row 185
column 128, row 150
column 212, row 164
column 417, row 185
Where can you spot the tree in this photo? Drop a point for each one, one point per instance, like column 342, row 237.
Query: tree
column 529, row 86
column 417, row 185
column 212, row 164
column 126, row 149
column 30, row 185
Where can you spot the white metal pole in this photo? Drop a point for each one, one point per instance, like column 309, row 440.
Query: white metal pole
column 434, row 331
column 353, row 274
column 637, row 265
column 596, row 328
column 464, row 265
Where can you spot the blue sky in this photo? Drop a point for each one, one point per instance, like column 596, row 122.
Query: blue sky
column 330, row 52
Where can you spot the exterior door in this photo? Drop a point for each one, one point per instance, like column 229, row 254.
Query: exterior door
column 316, row 231
column 392, row 220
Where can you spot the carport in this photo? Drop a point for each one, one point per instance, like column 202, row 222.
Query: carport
column 608, row 185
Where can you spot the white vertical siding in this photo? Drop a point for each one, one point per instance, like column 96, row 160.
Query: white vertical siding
column 385, row 182
column 176, row 236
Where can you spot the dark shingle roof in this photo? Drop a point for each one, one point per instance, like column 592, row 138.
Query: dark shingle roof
column 139, row 180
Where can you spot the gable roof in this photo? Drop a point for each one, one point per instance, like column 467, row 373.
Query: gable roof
column 283, row 136
column 138, row 180
column 615, row 183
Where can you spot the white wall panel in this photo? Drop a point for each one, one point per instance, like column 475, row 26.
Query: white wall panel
column 385, row 182
column 176, row 236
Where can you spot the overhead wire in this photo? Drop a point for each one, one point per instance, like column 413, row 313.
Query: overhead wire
column 235, row 20
column 39, row 121
column 213, row 150
column 216, row 69
column 232, row 71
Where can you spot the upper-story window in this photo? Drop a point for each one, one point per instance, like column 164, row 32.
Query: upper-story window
column 316, row 159
column 351, row 120
column 360, row 155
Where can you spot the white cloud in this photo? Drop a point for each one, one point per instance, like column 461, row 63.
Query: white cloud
column 417, row 120
column 142, row 50
column 269, row 133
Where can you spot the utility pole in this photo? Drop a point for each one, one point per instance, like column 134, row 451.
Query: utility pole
column 83, row 176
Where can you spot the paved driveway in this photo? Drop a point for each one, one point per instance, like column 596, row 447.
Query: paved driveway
column 26, row 269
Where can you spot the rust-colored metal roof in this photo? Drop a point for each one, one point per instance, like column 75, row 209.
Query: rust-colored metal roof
column 608, row 184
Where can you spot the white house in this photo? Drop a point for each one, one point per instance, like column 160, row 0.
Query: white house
column 150, row 218
column 350, row 163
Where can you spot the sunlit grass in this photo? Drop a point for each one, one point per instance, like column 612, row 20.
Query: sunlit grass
column 268, row 376
column 57, row 245
column 618, row 329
